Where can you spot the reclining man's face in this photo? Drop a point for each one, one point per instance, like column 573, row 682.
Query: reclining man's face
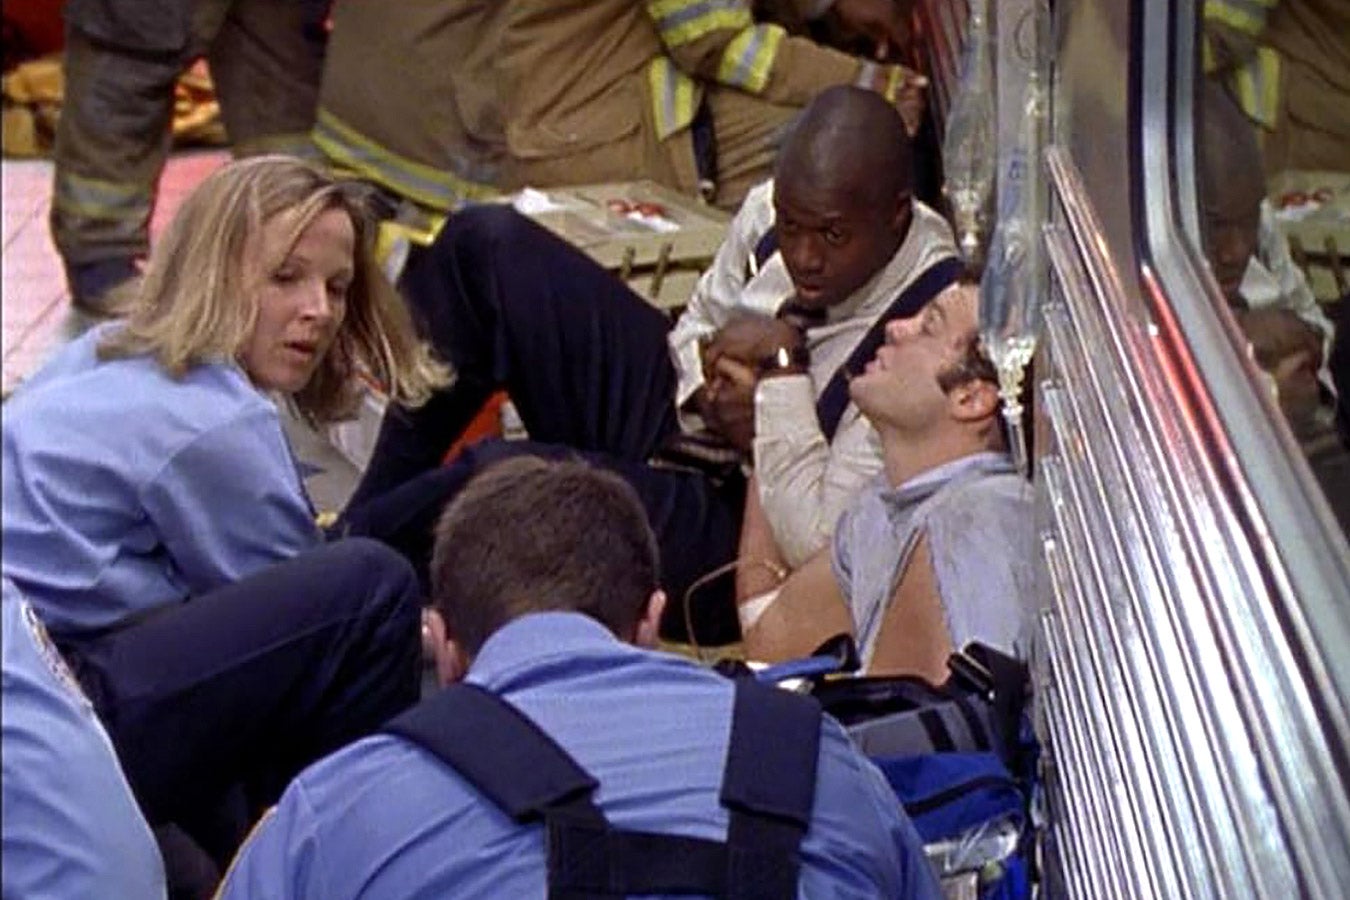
column 834, row 238
column 903, row 384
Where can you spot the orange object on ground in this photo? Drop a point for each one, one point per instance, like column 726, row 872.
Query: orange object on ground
column 488, row 423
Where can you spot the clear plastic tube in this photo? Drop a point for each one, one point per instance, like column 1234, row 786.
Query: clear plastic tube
column 1014, row 283
column 969, row 146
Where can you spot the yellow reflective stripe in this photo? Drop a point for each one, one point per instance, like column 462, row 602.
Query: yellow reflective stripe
column 1246, row 16
column 747, row 61
column 95, row 198
column 684, row 21
column 895, row 80
column 1257, row 86
column 436, row 188
column 674, row 96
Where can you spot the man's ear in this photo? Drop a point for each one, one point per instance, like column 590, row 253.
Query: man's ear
column 649, row 626
column 451, row 661
column 973, row 401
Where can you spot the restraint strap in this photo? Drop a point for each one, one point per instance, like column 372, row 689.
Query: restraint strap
column 496, row 749
column 766, row 246
column 768, row 788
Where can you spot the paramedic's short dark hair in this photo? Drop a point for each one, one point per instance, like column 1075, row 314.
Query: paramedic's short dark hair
column 528, row 535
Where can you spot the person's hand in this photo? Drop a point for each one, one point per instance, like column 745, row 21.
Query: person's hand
column 731, row 359
column 1279, row 333
column 747, row 339
column 906, row 89
column 883, row 22
column 731, row 403
column 1299, row 393
column 1290, row 351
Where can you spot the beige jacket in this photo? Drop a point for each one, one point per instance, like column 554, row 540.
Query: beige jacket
column 409, row 99
column 592, row 88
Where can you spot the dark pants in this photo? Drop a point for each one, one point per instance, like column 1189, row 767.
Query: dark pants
column 248, row 684
column 585, row 361
column 120, row 67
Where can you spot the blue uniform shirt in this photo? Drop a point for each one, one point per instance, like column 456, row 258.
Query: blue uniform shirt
column 384, row 819
column 126, row 489
column 71, row 827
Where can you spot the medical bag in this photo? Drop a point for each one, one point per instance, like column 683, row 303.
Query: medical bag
column 961, row 757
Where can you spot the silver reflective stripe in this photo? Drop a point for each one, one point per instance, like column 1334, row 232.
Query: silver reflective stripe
column 94, row 198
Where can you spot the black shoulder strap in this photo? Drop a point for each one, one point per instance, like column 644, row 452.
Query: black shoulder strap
column 503, row 754
column 766, row 246
column 834, row 399
column 768, row 788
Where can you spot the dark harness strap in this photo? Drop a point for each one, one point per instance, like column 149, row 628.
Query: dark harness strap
column 480, row 736
column 834, row 399
column 768, row 788
column 766, row 246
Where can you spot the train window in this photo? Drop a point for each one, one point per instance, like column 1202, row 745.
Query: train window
column 1274, row 213
column 1194, row 685
column 1257, row 188
column 1245, row 230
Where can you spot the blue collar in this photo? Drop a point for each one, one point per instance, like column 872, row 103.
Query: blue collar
column 535, row 638
column 927, row 483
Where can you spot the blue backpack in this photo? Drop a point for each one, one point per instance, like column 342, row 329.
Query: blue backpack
column 961, row 757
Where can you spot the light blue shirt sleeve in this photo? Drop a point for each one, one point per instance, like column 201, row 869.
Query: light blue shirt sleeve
column 71, row 827
column 231, row 503
column 872, row 849
column 281, row 858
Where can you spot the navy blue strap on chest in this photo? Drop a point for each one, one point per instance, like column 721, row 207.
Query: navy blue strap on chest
column 767, row 787
column 766, row 246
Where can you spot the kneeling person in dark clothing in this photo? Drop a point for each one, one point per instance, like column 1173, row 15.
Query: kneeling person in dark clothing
column 545, row 586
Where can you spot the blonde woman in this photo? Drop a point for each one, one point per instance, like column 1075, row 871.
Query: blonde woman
column 154, row 516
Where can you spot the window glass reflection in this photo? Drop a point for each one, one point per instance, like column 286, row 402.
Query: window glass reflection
column 1273, row 176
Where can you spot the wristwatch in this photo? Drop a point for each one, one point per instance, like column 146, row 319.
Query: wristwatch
column 793, row 360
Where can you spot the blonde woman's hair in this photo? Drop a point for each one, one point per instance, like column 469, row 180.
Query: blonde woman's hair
column 198, row 302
